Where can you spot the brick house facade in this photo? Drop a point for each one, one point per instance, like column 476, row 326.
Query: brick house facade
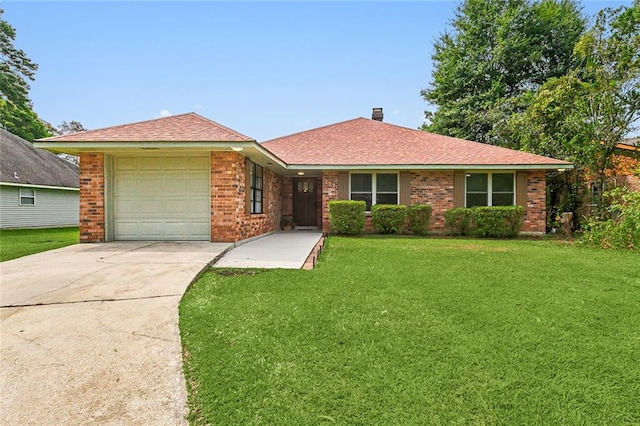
column 241, row 189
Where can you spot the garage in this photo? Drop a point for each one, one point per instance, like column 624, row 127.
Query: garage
column 161, row 198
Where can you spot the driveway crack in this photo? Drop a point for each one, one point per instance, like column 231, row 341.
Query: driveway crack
column 124, row 299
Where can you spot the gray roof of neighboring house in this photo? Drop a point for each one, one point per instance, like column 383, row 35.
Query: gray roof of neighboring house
column 21, row 163
column 631, row 142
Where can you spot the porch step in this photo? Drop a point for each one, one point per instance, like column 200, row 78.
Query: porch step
column 306, row 228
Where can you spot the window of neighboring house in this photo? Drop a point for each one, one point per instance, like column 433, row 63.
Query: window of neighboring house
column 490, row 189
column 27, row 197
column 255, row 196
column 374, row 188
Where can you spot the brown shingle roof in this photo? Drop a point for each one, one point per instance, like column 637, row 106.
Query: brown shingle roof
column 189, row 127
column 362, row 141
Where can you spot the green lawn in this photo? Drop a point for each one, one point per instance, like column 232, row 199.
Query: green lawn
column 22, row 242
column 420, row 331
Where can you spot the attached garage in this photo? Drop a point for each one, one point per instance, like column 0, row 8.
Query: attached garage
column 161, row 198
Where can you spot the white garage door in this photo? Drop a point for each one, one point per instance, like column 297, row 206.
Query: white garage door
column 161, row 198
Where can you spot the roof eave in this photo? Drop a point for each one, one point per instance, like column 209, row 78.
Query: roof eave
column 76, row 148
column 562, row 166
column 30, row 185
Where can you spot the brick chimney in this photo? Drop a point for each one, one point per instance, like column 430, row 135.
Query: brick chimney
column 377, row 114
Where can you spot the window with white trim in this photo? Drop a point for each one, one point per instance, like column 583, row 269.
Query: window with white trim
column 490, row 189
column 374, row 188
column 255, row 196
column 27, row 196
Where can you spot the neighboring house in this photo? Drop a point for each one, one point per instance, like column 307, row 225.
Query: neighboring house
column 626, row 164
column 185, row 177
column 37, row 189
column 625, row 172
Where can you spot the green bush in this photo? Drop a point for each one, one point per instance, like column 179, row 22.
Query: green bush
column 419, row 218
column 457, row 221
column 491, row 222
column 388, row 218
column 347, row 217
column 622, row 231
column 497, row 222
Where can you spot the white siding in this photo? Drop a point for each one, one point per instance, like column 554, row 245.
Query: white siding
column 54, row 207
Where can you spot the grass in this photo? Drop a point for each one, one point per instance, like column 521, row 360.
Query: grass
column 419, row 331
column 16, row 243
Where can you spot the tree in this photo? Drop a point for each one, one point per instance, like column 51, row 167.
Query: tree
column 610, row 76
column 66, row 129
column 497, row 51
column 16, row 69
column 581, row 116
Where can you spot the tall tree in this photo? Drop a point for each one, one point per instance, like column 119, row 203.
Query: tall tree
column 581, row 116
column 497, row 51
column 16, row 69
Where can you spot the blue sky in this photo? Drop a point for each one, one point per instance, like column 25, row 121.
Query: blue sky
column 265, row 69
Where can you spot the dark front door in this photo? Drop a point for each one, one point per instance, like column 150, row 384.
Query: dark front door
column 304, row 202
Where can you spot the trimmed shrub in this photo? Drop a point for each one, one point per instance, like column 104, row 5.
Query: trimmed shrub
column 497, row 222
column 347, row 216
column 388, row 218
column 622, row 232
column 457, row 221
column 491, row 222
column 419, row 218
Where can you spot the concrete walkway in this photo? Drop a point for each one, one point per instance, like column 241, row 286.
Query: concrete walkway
column 287, row 250
column 90, row 333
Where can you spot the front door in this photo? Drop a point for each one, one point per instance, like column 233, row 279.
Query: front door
column 304, row 202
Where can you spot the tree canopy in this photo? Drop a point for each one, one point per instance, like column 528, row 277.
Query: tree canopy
column 16, row 70
column 497, row 51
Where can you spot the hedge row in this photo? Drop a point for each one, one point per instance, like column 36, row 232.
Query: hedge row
column 348, row 218
column 492, row 222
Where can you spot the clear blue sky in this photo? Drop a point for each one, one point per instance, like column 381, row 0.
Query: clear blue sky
column 264, row 69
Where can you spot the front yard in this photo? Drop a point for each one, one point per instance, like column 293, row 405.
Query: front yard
column 16, row 243
column 419, row 331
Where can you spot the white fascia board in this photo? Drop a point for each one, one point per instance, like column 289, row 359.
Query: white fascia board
column 28, row 185
column 78, row 147
column 432, row 167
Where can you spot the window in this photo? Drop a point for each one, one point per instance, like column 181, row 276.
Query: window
column 27, row 197
column 374, row 188
column 490, row 189
column 255, row 195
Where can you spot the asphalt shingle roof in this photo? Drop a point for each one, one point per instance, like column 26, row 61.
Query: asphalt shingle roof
column 189, row 127
column 22, row 163
column 362, row 141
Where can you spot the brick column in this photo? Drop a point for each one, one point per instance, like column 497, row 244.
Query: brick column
column 92, row 197
column 227, row 195
column 329, row 193
column 535, row 220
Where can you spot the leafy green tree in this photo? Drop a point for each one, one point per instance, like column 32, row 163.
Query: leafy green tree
column 581, row 116
column 610, row 75
column 16, row 69
column 497, row 51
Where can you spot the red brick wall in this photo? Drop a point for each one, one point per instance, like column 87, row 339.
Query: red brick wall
column 229, row 221
column 287, row 196
column 92, row 198
column 435, row 189
column 535, row 220
column 329, row 193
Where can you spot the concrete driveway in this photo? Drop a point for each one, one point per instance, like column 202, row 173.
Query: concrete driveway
column 90, row 333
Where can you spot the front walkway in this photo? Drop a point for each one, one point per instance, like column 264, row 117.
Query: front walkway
column 287, row 250
column 90, row 333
